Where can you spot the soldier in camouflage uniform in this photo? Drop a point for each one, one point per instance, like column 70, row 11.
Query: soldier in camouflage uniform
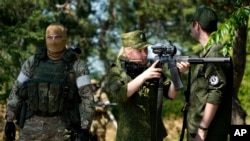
column 52, row 95
column 101, row 118
column 209, row 114
column 135, row 91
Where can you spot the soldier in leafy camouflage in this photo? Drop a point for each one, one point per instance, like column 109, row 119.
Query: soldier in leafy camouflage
column 136, row 92
column 209, row 114
column 54, row 93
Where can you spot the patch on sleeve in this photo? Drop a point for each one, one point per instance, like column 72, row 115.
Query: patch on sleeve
column 83, row 81
column 22, row 77
column 213, row 80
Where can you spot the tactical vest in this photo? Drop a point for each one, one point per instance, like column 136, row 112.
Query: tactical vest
column 52, row 89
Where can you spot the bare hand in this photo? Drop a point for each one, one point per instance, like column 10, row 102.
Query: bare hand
column 152, row 71
column 182, row 66
column 201, row 135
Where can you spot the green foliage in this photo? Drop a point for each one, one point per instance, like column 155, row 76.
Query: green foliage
column 226, row 32
column 175, row 106
column 23, row 26
column 243, row 93
column 97, row 33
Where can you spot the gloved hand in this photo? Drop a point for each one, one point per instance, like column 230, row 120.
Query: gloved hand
column 10, row 131
column 85, row 135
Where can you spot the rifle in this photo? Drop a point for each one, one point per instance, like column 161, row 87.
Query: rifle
column 105, row 105
column 167, row 55
column 109, row 113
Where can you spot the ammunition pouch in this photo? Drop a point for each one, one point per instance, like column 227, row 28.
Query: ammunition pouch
column 52, row 90
column 43, row 97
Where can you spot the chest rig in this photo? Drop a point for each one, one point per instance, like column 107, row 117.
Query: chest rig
column 52, row 84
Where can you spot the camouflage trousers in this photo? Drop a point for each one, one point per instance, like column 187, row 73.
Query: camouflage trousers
column 44, row 129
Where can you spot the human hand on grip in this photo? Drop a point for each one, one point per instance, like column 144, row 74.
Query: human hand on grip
column 182, row 66
column 10, row 131
column 152, row 71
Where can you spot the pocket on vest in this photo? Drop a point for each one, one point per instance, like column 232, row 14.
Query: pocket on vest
column 43, row 96
column 33, row 96
column 55, row 100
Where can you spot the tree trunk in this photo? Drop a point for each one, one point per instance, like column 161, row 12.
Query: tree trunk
column 239, row 61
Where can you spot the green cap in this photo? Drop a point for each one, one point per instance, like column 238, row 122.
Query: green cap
column 205, row 16
column 135, row 39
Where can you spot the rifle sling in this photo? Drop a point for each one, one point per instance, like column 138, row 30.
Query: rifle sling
column 185, row 108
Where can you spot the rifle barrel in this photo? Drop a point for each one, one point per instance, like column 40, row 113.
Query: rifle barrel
column 198, row 60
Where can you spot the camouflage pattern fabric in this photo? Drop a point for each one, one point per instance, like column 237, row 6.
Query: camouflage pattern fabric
column 137, row 114
column 135, row 39
column 81, row 82
column 211, row 83
column 44, row 129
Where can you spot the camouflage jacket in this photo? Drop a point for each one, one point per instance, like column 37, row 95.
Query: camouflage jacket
column 137, row 114
column 211, row 83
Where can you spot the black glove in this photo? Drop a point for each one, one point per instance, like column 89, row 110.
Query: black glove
column 84, row 133
column 10, row 131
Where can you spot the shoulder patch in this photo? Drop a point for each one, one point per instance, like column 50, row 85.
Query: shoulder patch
column 213, row 80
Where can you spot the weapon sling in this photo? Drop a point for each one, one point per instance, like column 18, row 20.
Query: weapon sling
column 185, row 107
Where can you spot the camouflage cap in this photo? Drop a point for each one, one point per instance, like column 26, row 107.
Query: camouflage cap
column 205, row 16
column 135, row 39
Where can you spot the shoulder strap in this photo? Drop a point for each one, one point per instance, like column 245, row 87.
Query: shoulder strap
column 41, row 54
column 69, row 58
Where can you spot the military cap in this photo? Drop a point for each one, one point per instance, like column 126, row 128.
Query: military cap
column 204, row 16
column 135, row 39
